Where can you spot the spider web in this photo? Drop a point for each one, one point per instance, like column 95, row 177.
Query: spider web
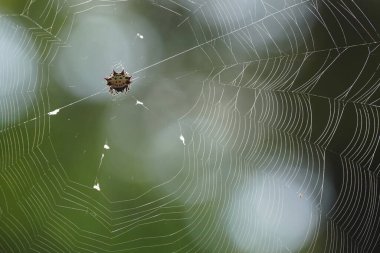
column 251, row 126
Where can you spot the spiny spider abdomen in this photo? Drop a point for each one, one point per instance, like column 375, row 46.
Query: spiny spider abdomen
column 118, row 82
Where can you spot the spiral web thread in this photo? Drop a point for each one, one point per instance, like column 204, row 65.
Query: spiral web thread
column 278, row 108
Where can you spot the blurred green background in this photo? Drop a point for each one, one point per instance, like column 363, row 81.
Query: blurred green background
column 250, row 126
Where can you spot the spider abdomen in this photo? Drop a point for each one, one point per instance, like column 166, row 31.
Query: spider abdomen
column 118, row 82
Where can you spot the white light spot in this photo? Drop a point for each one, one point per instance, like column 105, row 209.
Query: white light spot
column 267, row 205
column 106, row 147
column 96, row 187
column 140, row 36
column 55, row 112
column 84, row 40
column 182, row 139
column 16, row 73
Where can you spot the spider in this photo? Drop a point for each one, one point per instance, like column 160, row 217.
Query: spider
column 118, row 82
